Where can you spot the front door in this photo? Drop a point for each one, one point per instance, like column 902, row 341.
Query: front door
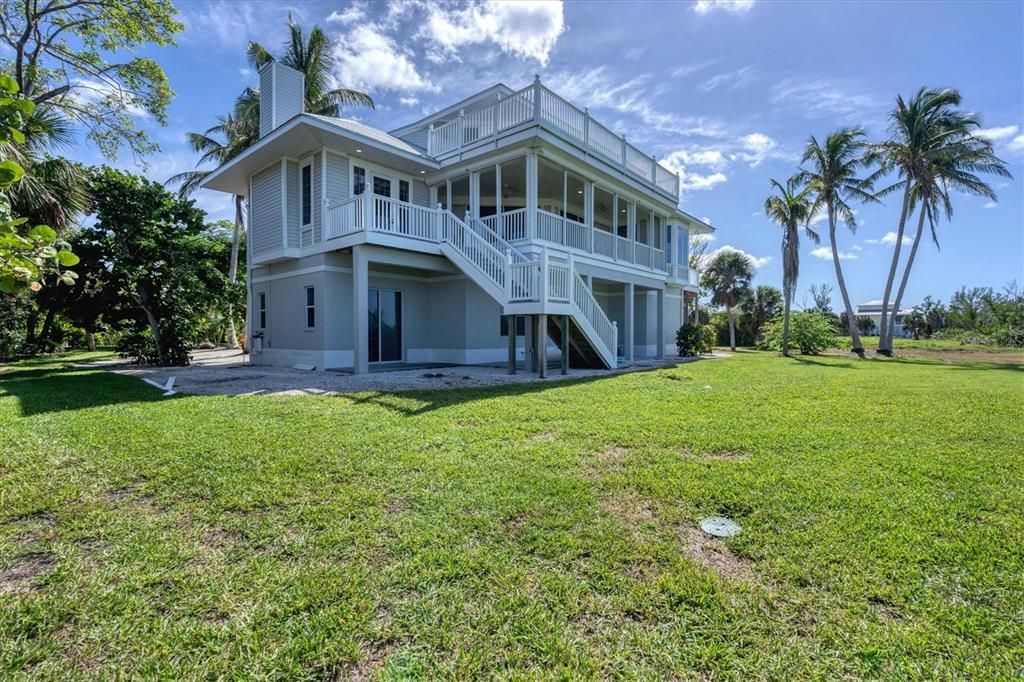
column 385, row 332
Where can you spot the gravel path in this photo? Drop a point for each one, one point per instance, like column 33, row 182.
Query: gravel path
column 226, row 372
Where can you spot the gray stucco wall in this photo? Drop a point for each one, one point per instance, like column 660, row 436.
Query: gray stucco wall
column 265, row 204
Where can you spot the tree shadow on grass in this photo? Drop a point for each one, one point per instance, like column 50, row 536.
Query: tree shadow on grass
column 818, row 361
column 958, row 364
column 412, row 403
column 55, row 386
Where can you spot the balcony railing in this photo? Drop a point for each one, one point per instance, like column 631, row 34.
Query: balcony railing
column 536, row 103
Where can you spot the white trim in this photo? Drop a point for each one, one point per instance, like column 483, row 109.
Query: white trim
column 348, row 270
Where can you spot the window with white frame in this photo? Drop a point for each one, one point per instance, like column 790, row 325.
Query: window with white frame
column 310, row 308
column 262, row 309
column 403, row 190
column 306, row 202
column 358, row 180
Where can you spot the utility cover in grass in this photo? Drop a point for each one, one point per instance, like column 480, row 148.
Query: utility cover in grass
column 719, row 526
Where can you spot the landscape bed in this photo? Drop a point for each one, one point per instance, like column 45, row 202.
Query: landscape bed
column 529, row 530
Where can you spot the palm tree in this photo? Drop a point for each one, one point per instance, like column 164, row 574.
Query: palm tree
column 956, row 169
column 833, row 180
column 728, row 277
column 930, row 146
column 312, row 57
column 791, row 207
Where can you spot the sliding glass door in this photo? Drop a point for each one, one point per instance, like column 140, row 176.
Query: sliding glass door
column 385, row 332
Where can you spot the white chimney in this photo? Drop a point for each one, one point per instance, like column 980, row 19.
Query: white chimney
column 282, row 91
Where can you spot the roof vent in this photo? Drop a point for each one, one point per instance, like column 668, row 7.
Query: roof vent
column 282, row 91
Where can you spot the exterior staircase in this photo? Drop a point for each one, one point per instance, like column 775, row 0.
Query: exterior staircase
column 521, row 285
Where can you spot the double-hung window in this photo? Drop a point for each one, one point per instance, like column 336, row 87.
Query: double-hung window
column 358, row 180
column 310, row 308
column 263, row 309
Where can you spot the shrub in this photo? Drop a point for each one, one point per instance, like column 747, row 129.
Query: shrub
column 692, row 339
column 810, row 333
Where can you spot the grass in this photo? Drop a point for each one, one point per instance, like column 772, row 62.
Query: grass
column 519, row 532
column 898, row 344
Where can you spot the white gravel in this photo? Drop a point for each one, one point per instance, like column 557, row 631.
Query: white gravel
column 227, row 372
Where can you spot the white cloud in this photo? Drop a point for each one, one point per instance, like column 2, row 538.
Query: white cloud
column 825, row 253
column 230, row 25
column 734, row 6
column 528, row 28
column 889, row 239
column 728, row 248
column 991, row 204
column 350, row 15
column 996, row 134
column 365, row 58
column 756, row 147
column 594, row 88
column 678, row 161
column 816, row 98
column 408, row 101
column 634, row 53
column 740, row 78
column 245, row 72
column 686, row 69
column 1017, row 145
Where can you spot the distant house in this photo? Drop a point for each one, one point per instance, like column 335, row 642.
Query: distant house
column 488, row 231
column 873, row 309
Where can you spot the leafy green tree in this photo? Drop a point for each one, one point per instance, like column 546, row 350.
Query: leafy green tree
column 832, row 177
column 790, row 208
column 27, row 254
column 64, row 56
column 157, row 253
column 727, row 276
column 810, row 332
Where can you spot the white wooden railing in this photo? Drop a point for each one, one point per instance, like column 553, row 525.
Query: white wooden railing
column 344, row 217
column 511, row 225
column 536, row 103
column 523, row 282
column 558, row 282
column 408, row 220
column 592, row 312
column 604, row 243
column 487, row 259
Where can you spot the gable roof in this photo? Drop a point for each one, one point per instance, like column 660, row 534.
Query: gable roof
column 375, row 134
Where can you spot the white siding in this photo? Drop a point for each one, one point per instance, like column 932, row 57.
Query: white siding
column 293, row 204
column 265, row 204
column 281, row 96
column 420, row 193
column 337, row 178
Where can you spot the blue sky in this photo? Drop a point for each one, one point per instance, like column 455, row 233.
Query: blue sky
column 726, row 91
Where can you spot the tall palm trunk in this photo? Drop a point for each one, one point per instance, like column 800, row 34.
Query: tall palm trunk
column 233, row 270
column 906, row 275
column 787, row 295
column 885, row 331
column 732, row 328
column 850, row 320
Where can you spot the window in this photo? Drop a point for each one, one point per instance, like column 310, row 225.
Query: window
column 358, row 180
column 624, row 216
column 310, row 308
column 520, row 325
column 263, row 310
column 668, row 244
column 403, row 190
column 306, row 190
column 604, row 202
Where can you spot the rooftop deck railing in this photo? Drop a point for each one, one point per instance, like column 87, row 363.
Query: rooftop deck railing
column 536, row 103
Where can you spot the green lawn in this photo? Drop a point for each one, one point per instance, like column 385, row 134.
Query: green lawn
column 520, row 532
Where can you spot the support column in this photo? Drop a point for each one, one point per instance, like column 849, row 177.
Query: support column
column 530, row 363
column 360, row 311
column 660, row 352
column 629, row 303
column 542, row 347
column 565, row 344
column 511, row 343
column 531, row 196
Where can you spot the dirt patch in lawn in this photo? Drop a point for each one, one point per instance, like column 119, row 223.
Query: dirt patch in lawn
column 22, row 577
column 131, row 490
column 698, row 546
column 366, row 668
column 220, row 539
column 545, row 437
column 721, row 456
column 397, row 505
